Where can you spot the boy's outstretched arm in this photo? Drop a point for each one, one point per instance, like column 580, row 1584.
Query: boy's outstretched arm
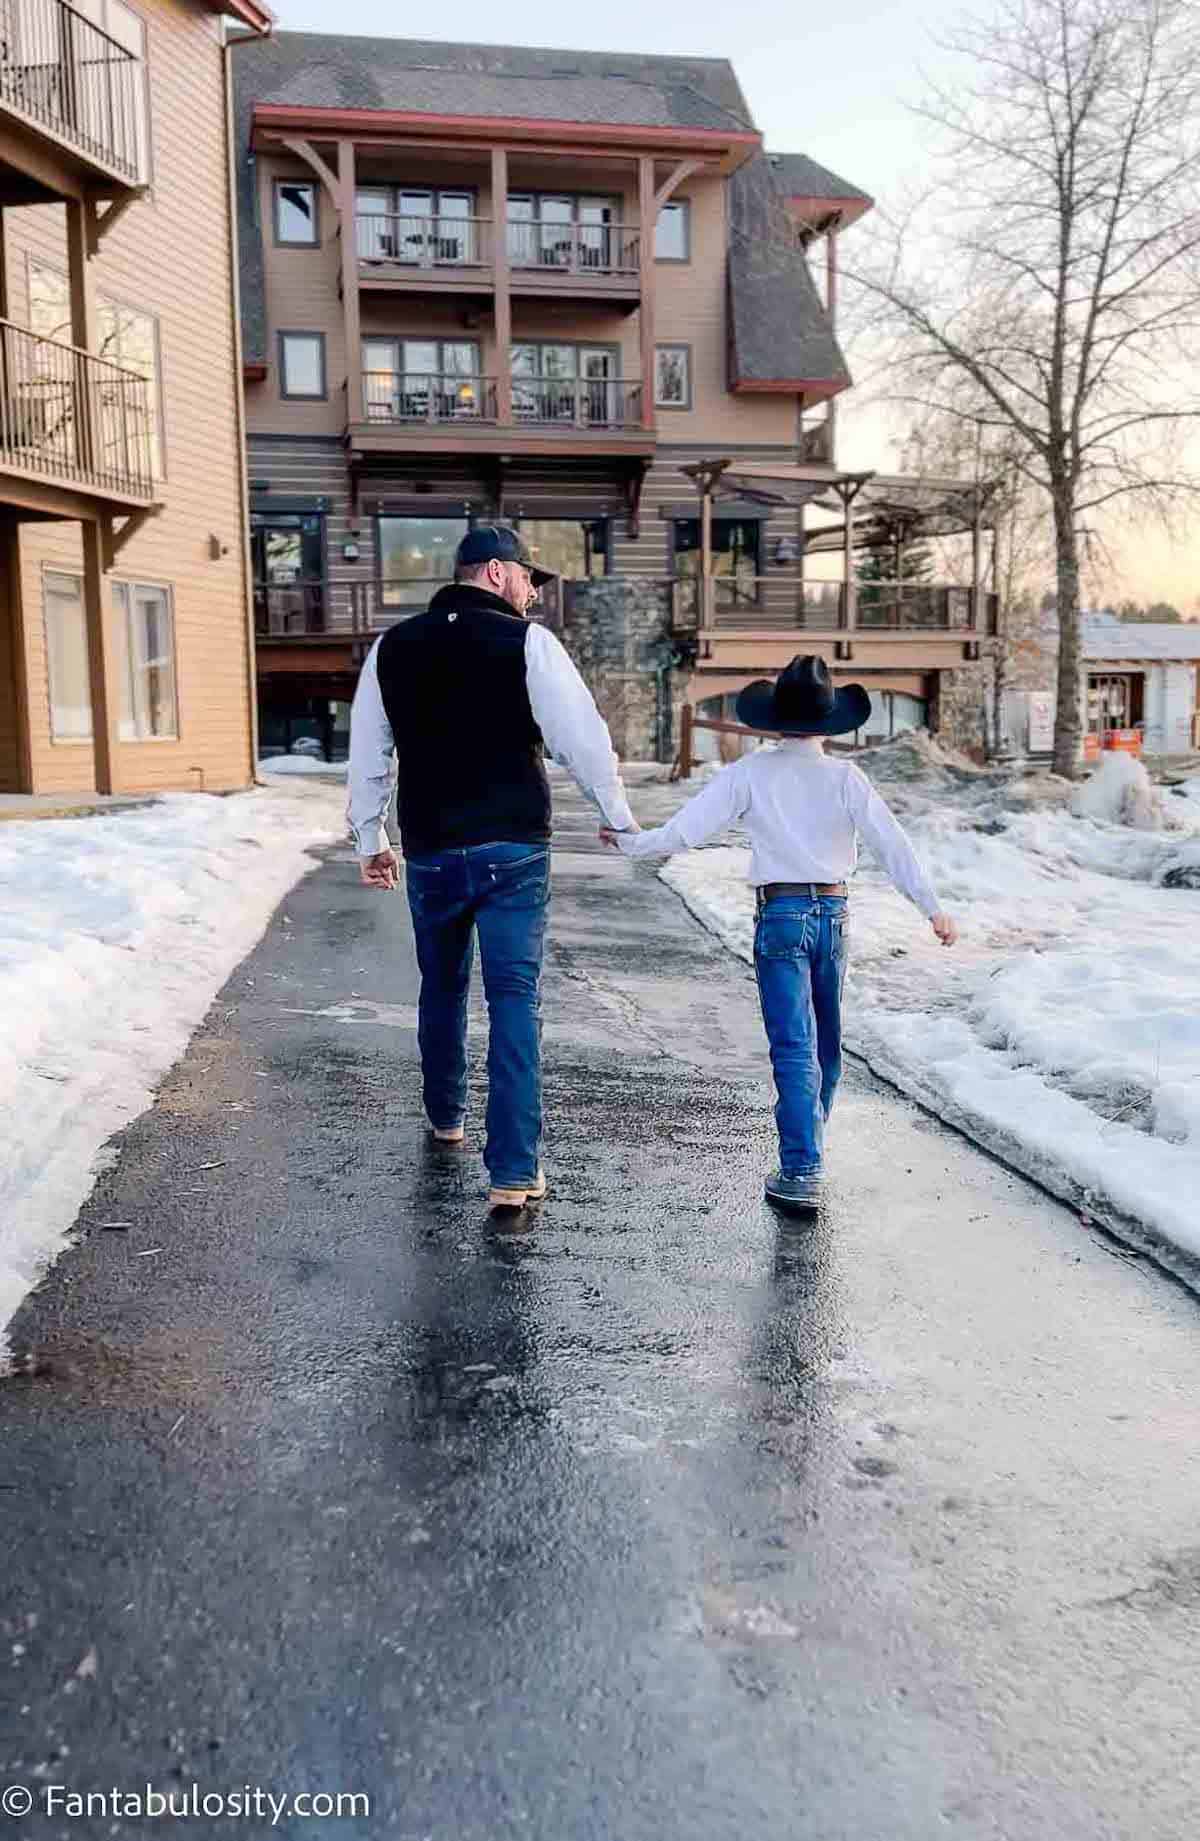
column 722, row 802
column 877, row 823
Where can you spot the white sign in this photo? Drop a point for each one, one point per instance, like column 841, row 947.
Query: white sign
column 1041, row 721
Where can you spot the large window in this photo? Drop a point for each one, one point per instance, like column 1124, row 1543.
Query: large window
column 673, row 376
column 296, row 212
column 417, row 379
column 555, row 382
column 302, row 366
column 736, row 546
column 145, row 660
column 673, row 233
column 131, row 423
column 416, row 557
column 574, row 548
column 67, row 659
column 146, row 624
column 416, row 224
column 562, row 230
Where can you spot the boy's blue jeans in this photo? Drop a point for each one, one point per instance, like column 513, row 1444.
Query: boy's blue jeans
column 502, row 892
column 800, row 945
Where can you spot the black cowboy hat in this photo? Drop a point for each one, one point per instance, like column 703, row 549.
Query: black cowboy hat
column 802, row 701
column 500, row 543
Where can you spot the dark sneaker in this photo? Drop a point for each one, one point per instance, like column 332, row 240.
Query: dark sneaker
column 799, row 1194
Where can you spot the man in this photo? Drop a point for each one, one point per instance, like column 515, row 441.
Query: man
column 465, row 697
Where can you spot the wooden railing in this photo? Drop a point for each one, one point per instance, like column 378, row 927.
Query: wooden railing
column 63, row 73
column 575, row 249
column 423, row 242
column 769, row 601
column 74, row 417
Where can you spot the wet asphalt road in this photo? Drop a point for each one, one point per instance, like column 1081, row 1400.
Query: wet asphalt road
column 655, row 1521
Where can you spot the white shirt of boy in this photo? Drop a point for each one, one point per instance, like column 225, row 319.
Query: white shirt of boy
column 804, row 812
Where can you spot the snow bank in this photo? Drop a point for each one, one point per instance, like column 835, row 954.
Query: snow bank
column 1121, row 792
column 115, row 933
column 302, row 764
column 1064, row 1029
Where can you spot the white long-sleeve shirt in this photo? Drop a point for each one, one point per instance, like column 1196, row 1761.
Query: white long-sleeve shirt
column 804, row 812
column 575, row 734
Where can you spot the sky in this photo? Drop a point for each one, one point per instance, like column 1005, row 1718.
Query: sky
column 832, row 83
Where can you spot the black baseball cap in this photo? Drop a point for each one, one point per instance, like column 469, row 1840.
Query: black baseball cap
column 499, row 543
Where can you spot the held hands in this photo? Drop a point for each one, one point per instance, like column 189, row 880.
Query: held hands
column 380, row 872
column 945, row 928
column 609, row 837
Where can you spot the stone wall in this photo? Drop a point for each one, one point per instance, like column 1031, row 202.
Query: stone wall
column 965, row 706
column 618, row 631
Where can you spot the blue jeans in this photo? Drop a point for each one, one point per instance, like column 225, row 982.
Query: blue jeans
column 502, row 892
column 800, row 945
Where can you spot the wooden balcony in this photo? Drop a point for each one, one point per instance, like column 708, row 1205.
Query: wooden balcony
column 756, row 624
column 420, row 413
column 456, row 255
column 72, row 104
column 76, row 432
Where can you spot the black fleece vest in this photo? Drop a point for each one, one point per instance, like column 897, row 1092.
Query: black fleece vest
column 470, row 753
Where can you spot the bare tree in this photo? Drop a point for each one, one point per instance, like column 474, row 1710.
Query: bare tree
column 1049, row 291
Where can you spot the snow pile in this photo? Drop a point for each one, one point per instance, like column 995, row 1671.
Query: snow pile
column 1063, row 1031
column 1121, row 792
column 302, row 764
column 115, row 933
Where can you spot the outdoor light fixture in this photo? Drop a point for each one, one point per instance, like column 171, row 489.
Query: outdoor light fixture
column 787, row 550
column 350, row 551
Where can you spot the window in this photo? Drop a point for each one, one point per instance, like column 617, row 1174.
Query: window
column 737, row 548
column 302, row 365
column 130, row 339
column 673, row 233
column 67, row 659
column 673, row 376
column 563, row 230
column 148, row 703
column 555, row 382
column 416, row 557
column 130, row 419
column 296, row 212
column 420, row 379
column 416, row 224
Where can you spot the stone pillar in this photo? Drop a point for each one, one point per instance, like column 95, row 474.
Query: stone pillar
column 618, row 631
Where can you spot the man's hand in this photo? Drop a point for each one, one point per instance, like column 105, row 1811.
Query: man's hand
column 609, row 837
column 945, row 929
column 380, row 872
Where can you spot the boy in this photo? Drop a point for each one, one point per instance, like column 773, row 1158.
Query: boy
column 803, row 813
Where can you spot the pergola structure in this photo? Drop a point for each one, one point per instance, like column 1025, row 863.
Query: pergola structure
column 872, row 511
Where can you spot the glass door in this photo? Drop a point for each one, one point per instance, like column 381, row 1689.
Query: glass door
column 462, row 386
column 287, row 550
column 522, row 230
column 374, row 224
column 597, row 365
column 556, row 234
column 596, row 242
column 420, row 379
column 456, row 228
column 416, row 228
column 381, row 380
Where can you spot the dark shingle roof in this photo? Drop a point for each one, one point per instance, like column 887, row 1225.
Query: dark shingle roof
column 779, row 329
column 800, row 177
column 417, row 76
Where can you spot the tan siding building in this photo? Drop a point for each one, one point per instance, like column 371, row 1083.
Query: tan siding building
column 127, row 648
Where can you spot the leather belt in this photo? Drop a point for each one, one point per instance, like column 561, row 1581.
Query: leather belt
column 771, row 891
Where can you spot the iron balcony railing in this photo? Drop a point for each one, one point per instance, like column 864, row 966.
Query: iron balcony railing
column 392, row 238
column 575, row 249
column 396, row 396
column 423, row 242
column 589, row 402
column 72, row 417
column 421, row 396
column 64, row 74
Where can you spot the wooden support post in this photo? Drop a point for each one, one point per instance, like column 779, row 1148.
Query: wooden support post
column 647, row 221
column 102, row 672
column 850, row 604
column 503, row 286
column 977, row 566
column 831, row 307
column 348, row 207
column 707, row 609
column 683, row 766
